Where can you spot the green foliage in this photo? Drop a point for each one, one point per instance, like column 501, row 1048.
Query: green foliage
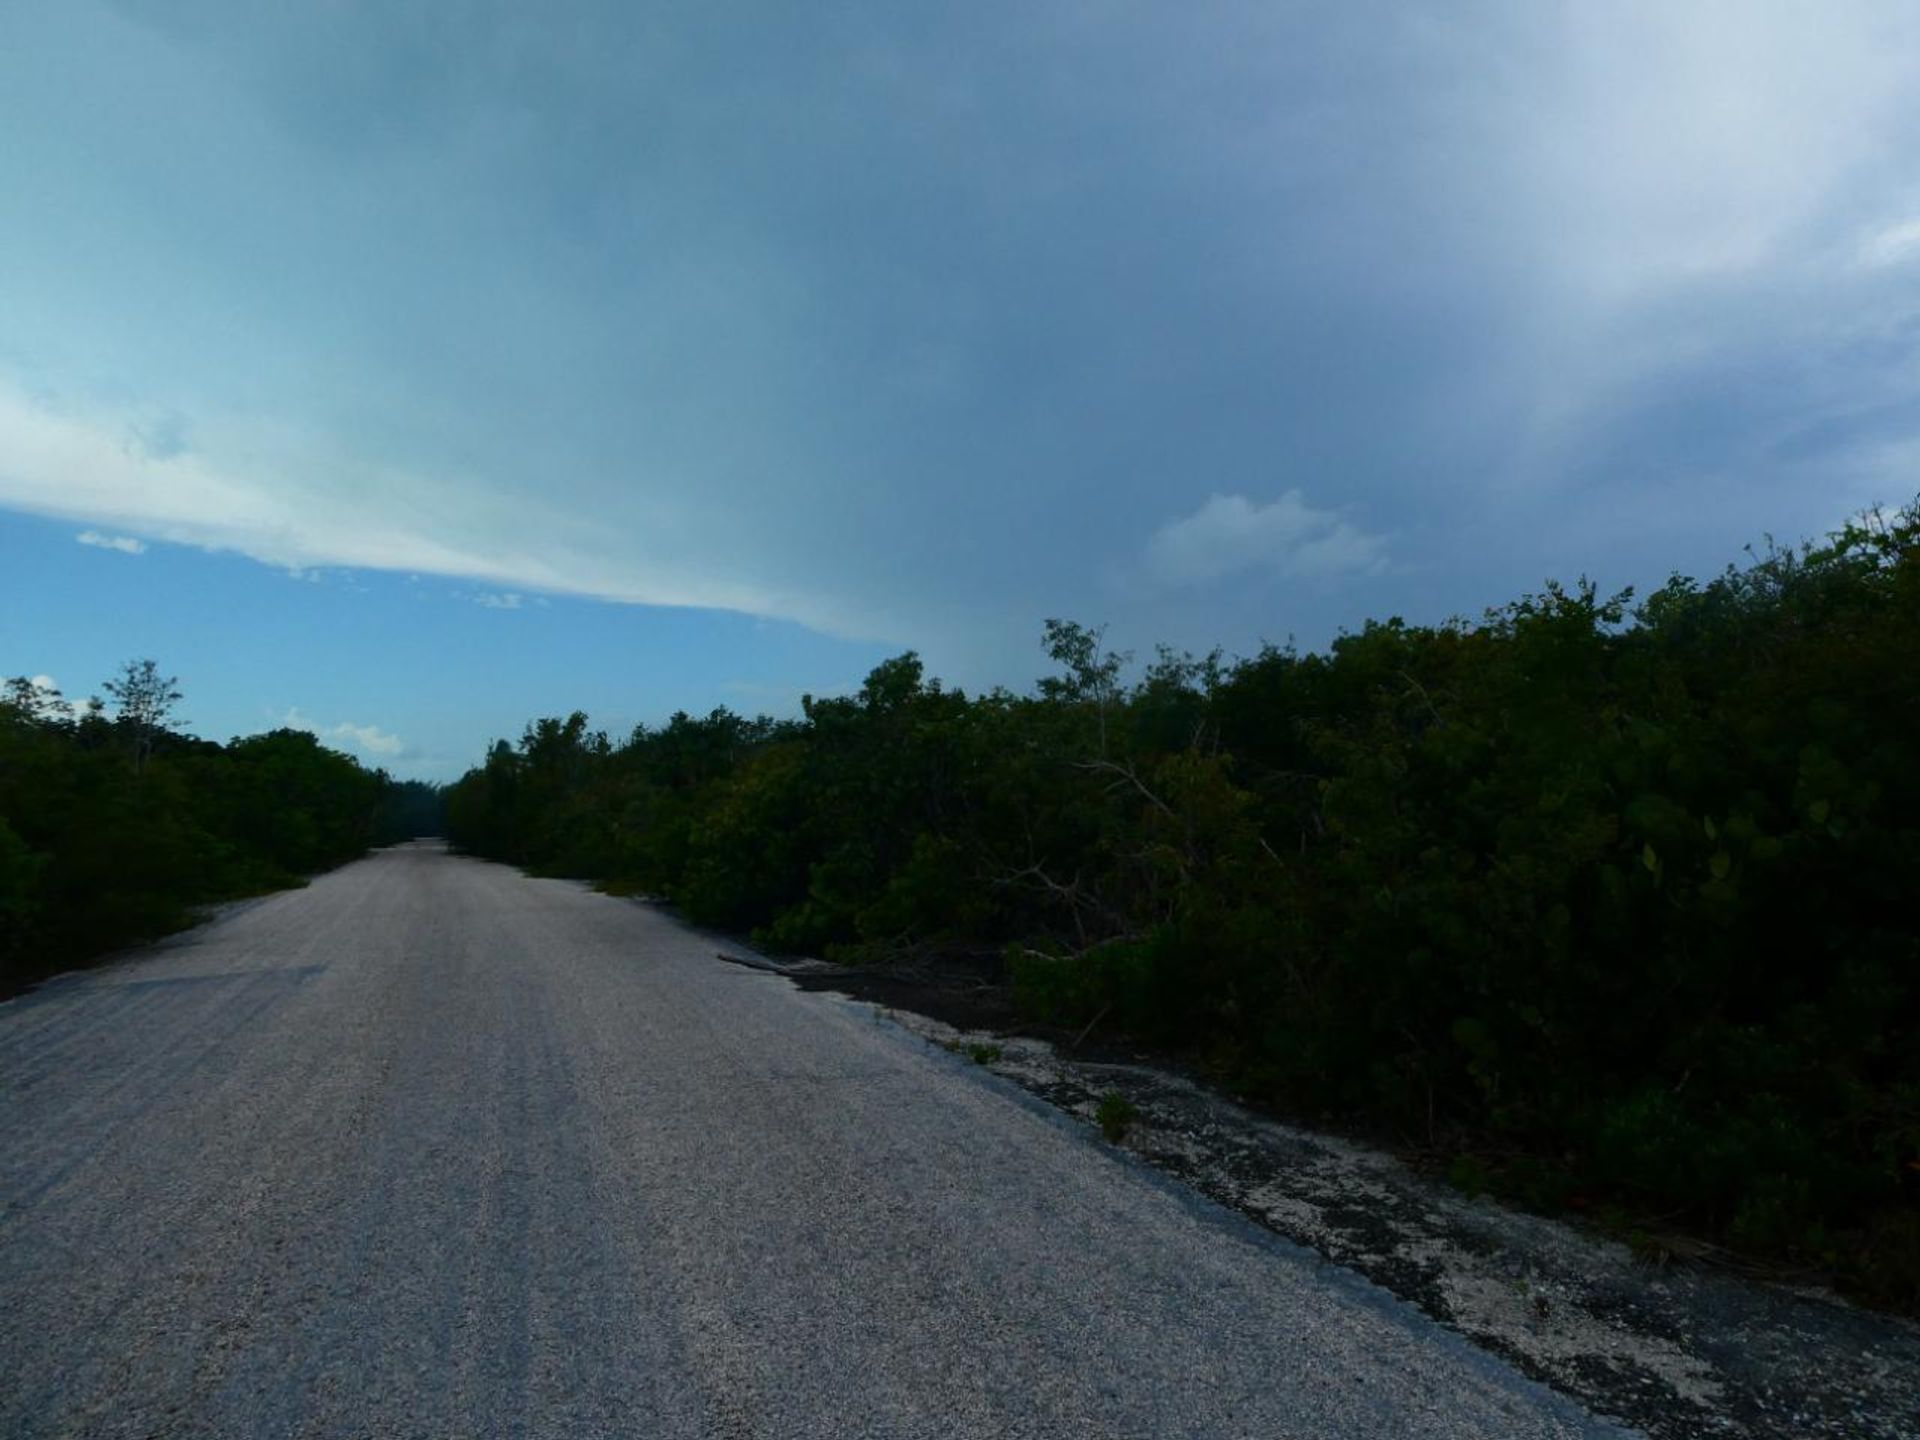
column 408, row 810
column 1115, row 1115
column 1618, row 893
column 1469, row 1175
column 113, row 830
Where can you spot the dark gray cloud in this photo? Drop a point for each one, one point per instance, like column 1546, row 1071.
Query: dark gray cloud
column 919, row 323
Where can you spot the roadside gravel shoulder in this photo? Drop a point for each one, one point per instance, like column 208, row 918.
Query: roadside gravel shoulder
column 1677, row 1352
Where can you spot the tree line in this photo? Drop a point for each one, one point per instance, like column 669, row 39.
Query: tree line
column 1611, row 901
column 114, row 828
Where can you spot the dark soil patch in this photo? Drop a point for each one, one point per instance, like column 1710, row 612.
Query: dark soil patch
column 955, row 1001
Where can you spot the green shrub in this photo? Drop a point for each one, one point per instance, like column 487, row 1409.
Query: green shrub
column 1115, row 1115
column 1618, row 893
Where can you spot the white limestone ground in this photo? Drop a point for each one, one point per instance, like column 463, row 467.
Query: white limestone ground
column 1678, row 1352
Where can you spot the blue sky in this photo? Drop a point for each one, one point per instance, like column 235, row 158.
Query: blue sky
column 745, row 346
column 409, row 672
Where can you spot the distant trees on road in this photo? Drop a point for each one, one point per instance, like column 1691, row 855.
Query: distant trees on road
column 113, row 827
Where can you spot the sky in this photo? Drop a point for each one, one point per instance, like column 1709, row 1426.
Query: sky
column 405, row 370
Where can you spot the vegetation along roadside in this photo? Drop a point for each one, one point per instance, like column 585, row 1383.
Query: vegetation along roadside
column 114, row 828
column 1611, row 899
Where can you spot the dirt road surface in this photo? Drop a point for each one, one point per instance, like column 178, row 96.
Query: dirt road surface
column 431, row 1148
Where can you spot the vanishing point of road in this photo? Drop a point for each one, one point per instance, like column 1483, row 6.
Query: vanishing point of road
column 433, row 1149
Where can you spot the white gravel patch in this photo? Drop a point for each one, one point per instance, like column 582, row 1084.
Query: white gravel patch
column 1680, row 1353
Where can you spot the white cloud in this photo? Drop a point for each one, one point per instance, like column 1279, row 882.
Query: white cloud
column 297, row 502
column 498, row 600
column 1481, row 254
column 125, row 544
column 1892, row 244
column 369, row 739
column 161, row 438
column 1671, row 145
column 43, row 682
column 1230, row 534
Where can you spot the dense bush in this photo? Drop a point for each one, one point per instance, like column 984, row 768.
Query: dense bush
column 113, row 830
column 1615, row 899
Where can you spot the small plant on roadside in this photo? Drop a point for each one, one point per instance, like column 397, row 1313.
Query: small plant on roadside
column 983, row 1054
column 1469, row 1176
column 1648, row 1249
column 1115, row 1115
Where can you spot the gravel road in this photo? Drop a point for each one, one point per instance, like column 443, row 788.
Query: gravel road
column 433, row 1149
